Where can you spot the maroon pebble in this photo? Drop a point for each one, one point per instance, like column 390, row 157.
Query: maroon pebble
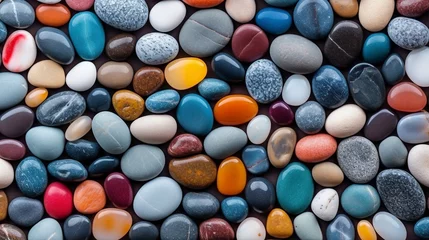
column 249, row 43
column 216, row 229
column 185, row 145
column 80, row 5
column 412, row 8
column 16, row 122
column 11, row 149
column 118, row 190
column 281, row 113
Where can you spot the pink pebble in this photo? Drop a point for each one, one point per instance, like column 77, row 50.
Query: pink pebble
column 80, row 5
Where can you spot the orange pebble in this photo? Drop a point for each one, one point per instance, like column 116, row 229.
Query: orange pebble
column 231, row 176
column 203, row 3
column 235, row 109
column 111, row 223
column 366, row 230
column 36, row 97
column 279, row 224
column 407, row 97
column 54, row 15
column 89, row 197
column 315, row 148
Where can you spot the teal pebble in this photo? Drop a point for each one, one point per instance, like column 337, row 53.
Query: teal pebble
column 195, row 115
column 274, row 20
column 98, row 100
column 421, row 228
column 163, row 101
column 31, row 177
column 13, row 89
column 213, row 89
column 255, row 159
column 281, row 3
column 67, row 170
column 82, row 150
column 376, row 48
column 103, row 165
column 360, row 200
column 235, row 209
column 3, row 32
column 46, row 143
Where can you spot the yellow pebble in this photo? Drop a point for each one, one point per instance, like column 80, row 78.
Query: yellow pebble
column 185, row 73
column 366, row 231
column 36, row 97
column 279, row 224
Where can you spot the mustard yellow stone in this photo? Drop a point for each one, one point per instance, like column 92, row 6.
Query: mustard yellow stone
column 36, row 97
column 366, row 230
column 185, row 73
column 279, row 224
column 111, row 224
column 128, row 105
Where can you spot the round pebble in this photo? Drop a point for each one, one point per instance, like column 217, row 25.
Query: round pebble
column 179, row 226
column 327, row 174
column 157, row 48
column 77, row 227
column 138, row 166
column 82, row 76
column 31, row 177
column 345, row 121
column 200, row 205
column 325, row 204
column 127, row 15
column 25, row 212
column 296, row 90
column 251, row 228
column 154, row 129
column 360, row 200
column 260, row 194
column 143, row 230
column 234, row 209
column 165, row 16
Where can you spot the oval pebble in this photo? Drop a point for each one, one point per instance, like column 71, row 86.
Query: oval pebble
column 78, row 128
column 46, row 143
column 216, row 228
column 279, row 224
column 249, row 43
column 201, row 205
column 103, row 165
column 315, row 148
column 195, row 172
column 393, row 69
column 144, row 230
column 14, row 88
column 31, row 177
column 411, row 128
column 154, row 129
column 260, row 194
column 417, row 158
column 374, row 16
column 235, row 109
column 360, row 200
column 213, row 89
column 341, row 227
column 82, row 150
column 234, row 209
column 55, row 44
column 111, row 223
column 121, row 46
column 55, row 15
column 264, row 81
column 19, row 50
column 407, row 97
column 11, row 231
column 118, row 190
column 389, row 227
column 67, row 170
column 380, row 125
column 98, row 100
column 17, row 13
column 412, row 8
column 179, row 226
column 280, row 146
column 296, row 90
column 416, row 68
column 16, row 121
column 231, row 176
column 157, row 48
column 251, row 228
column 241, row 11
column 184, row 73
column 7, row 174
column 310, row 117
column 273, row 20
column 421, row 228
column 115, row 75
column 162, row 101
column 165, row 16
column 227, row 67
column 195, row 115
column 381, row 43
column 128, row 104
column 307, row 227
column 223, row 142
column 35, row 97
column 47, row 74
column 47, row 228
column 184, row 145
column 142, row 162
column 256, row 159
column 89, row 197
column 25, row 212
column 330, row 87
column 131, row 16
column 416, row 33
column 393, row 153
column 77, row 227
column 258, row 129
column 345, row 121
column 82, row 76
column 12, row 150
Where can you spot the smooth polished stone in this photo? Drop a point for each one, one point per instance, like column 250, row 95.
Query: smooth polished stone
column 296, row 90
column 98, row 100
column 47, row 74
column 36, row 97
column 329, row 87
column 17, row 13
column 25, row 212
column 294, row 197
column 55, row 44
column 228, row 68
column 376, row 48
column 216, row 228
column 184, row 73
column 407, row 97
column 162, row 101
column 201, row 205
column 421, row 228
column 281, row 3
column 89, row 197
column 49, row 1
column 241, row 11
column 258, row 129
column 325, row 204
column 77, row 227
column 14, row 88
column 12, row 232
column 360, row 200
column 380, row 125
column 143, row 230
column 313, row 19
column 345, row 8
column 31, row 177
column 16, row 121
column 111, row 132
column 195, row 172
column 67, row 170
column 274, row 20
column 78, row 128
column 345, row 121
column 310, row 117
column 157, row 48
column 249, row 43
column 121, row 46
column 255, row 159
column 128, row 104
column 235, row 109
column 417, row 33
column 223, row 142
column 412, row 8
column 55, row 15
column 157, row 199
column 411, row 128
column 80, row 5
column 179, row 226
column 366, row 231
column 3, row 32
column 147, row 80
column 264, row 81
column 12, row 150
column 393, row 153
column 19, row 51
column 118, row 190
column 165, row 16
column 103, row 165
column 58, row 200
column 115, row 75
column 260, row 194
column 7, row 174
column 46, row 143
column 280, row 146
column 185, row 145
column 154, row 129
column 47, row 228
column 415, row 66
column 82, row 76
column 82, row 150
column 111, row 224
column 231, row 176
column 281, row 113
column 307, row 227
column 213, row 89
column 416, row 163
column 234, row 209
column 315, row 148
column 203, row 3
column 393, row 69
column 279, row 224
column 327, row 174
column 340, row 228
column 374, row 16
column 128, row 15
column 388, row 226
column 251, row 228
column 142, row 162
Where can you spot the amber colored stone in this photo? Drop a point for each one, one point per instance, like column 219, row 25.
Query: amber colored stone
column 36, row 97
column 231, row 176
column 127, row 104
column 89, row 197
column 279, row 224
column 147, row 80
column 184, row 145
column 196, row 172
column 184, row 73
column 203, row 3
column 3, row 205
column 315, row 148
column 407, row 97
column 54, row 15
column 281, row 146
column 366, row 230
column 11, row 232
column 111, row 224
column 216, row 229
column 345, row 8
column 235, row 109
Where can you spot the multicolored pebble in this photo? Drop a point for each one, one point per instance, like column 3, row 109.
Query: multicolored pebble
column 195, row 172
column 19, row 50
column 111, row 224
column 55, row 44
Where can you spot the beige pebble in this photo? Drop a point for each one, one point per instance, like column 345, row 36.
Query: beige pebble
column 154, row 129
column 241, row 11
column 345, row 121
column 418, row 163
column 327, row 174
column 281, row 146
column 78, row 128
column 47, row 74
column 116, row 75
column 374, row 15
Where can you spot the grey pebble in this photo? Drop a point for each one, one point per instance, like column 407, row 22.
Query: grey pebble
column 157, row 48
column 179, row 227
column 25, row 212
column 142, row 162
column 3, row 32
column 393, row 153
column 224, row 141
column 126, row 15
column 17, row 13
column 408, row 33
column 143, row 231
column 310, row 117
column 200, row 205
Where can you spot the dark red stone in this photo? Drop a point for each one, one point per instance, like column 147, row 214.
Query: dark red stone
column 11, row 149
column 118, row 190
column 58, row 200
column 185, row 145
column 380, row 125
column 249, row 43
column 15, row 122
column 281, row 113
column 412, row 8
column 216, row 229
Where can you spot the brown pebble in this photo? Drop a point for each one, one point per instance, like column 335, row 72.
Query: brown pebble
column 281, row 146
column 196, row 172
column 216, row 229
column 121, row 46
column 116, row 75
column 345, row 8
column 3, row 206
column 185, row 145
column 11, row 232
column 147, row 80
column 127, row 104
column 327, row 174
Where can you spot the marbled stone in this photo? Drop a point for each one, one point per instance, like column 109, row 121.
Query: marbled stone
column 82, row 150
column 330, row 87
column 89, row 197
column 345, row 121
column 234, row 209
column 310, row 117
column 103, row 165
column 111, row 224
column 55, row 44
column 12, row 232
column 98, row 100
column 255, row 159
column 264, row 81
column 14, row 88
column 313, row 19
column 249, row 43
column 179, row 226
column 31, row 177
column 67, row 170
column 393, row 153
column 16, row 121
column 77, row 227
column 162, row 101
column 360, row 200
column 121, row 46
column 408, row 33
column 47, row 228
column 184, row 145
column 260, row 194
column 223, row 142
column 195, row 114
column 111, row 132
column 201, row 205
column 154, row 129
column 157, row 48
column 280, row 146
column 147, row 80
column 128, row 15
column 412, row 8
column 24, row 211
column 227, row 67
column 340, row 228
column 411, row 128
column 46, row 143
column 393, row 69
column 143, row 230
column 389, row 227
column 17, row 13
column 213, row 89
column 142, row 162
column 380, row 125
column 216, row 229
column 12, row 150
column 19, row 51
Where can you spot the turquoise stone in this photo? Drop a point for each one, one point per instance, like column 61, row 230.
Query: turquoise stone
column 234, row 209
column 295, row 188
column 413, row 128
column 111, row 132
column 31, row 177
column 255, row 159
column 46, row 143
column 163, row 101
column 87, row 35
column 13, row 89
column 376, row 48
column 274, row 20
column 281, row 3
column 82, row 150
column 360, row 200
column 421, row 228
column 340, row 228
column 103, row 165
column 213, row 89
column 195, row 115
column 67, row 170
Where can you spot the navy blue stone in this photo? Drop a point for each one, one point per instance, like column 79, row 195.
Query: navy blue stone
column 3, row 32
column 200, row 205
column 340, row 228
column 228, row 68
column 255, row 159
column 330, row 87
column 163, row 101
column 179, row 226
column 260, row 194
column 421, row 228
column 213, row 89
column 274, row 20
column 313, row 19
column 55, row 44
column 393, row 69
column 25, row 212
column 98, row 100
column 310, row 117
column 281, row 3
column 143, row 231
column 82, row 150
column 67, row 170
column 103, row 165
column 31, row 177
column 234, row 209
column 367, row 86
column 17, row 13
column 77, row 227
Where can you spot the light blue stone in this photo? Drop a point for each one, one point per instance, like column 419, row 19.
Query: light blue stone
column 13, row 89
column 307, row 227
column 224, row 141
column 376, row 48
column 24, row 211
column 82, row 150
column 274, row 20
column 103, row 165
column 67, row 170
column 87, row 35
column 255, row 158
column 234, row 209
column 17, row 13
column 46, row 143
column 340, row 228
column 143, row 162
column 195, row 115
column 213, row 89
column 3, row 32
column 330, row 87
column 31, row 177
column 413, row 128
column 360, row 200
column 126, row 15
column 200, row 205
column 264, row 81
column 281, row 3
column 111, row 132
column 313, row 19
column 48, row 228
column 163, row 101
column 421, row 228
column 295, row 188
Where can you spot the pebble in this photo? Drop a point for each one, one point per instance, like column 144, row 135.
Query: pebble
column 201, row 205
column 103, row 165
column 366, row 231
column 154, row 129
column 416, row 163
column 345, row 8
column 82, row 150
column 157, row 48
column 111, row 132
column 307, row 227
column 127, row 15
column 344, row 43
column 67, row 170
column 216, row 228
column 281, row 3
column 118, row 190
column 49, row 1
column 80, row 5
column 12, row 232
column 260, row 194
column 340, row 228
column 310, row 117
column 255, row 159
column 12, row 150
column 296, row 90
column 195, row 115
column 231, row 176
column 211, row 28
column 273, row 20
column 258, row 129
column 421, row 228
column 31, row 177
column 3, row 32
column 330, row 87
column 121, row 46
column 360, row 200
column 411, row 128
column 46, row 143
column 223, row 142
column 47, row 74
column 185, row 145
column 163, row 101
column 16, row 121
column 235, row 109
column 294, row 197
column 279, row 224
column 55, row 45
column 376, row 48
column 393, row 69
column 82, row 76
column 55, row 15
column 166, row 16
column 195, row 172
column 393, row 153
column 389, row 227
column 19, row 50
column 179, row 226
column 89, row 197
column 251, row 228
column 184, row 73
column 157, row 199
column 407, row 97
column 408, row 33
column 234, row 209
column 127, row 104
column 58, row 200
column 325, row 204
column 143, row 230
column 17, row 13
column 147, row 80
column 213, row 89
column 47, row 228
column 249, row 43
column 203, row 3
column 142, row 162
column 315, row 148
column 327, row 174
column 374, row 16
column 358, row 158
column 345, row 121
column 78, row 128
column 25, row 212
column 412, row 8
column 77, row 227
column 380, row 125
column 401, row 194
column 98, row 100
column 7, row 174
column 241, row 11
column 228, row 68
column 35, row 97
column 111, row 223
column 264, row 81
column 313, row 19
column 415, row 66
column 280, row 146
column 115, row 75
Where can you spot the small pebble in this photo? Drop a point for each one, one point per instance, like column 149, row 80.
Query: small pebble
column 147, row 80
column 234, row 209
column 17, row 13
column 201, row 205
column 78, row 128
column 115, row 75
column 14, row 89
column 345, row 121
column 7, row 174
column 77, row 227
column 412, row 8
column 82, row 76
column 380, row 125
column 184, row 73
column 55, row 15
column 360, row 200
column 255, row 159
column 185, row 145
column 162, row 101
column 416, row 163
column 98, row 100
column 340, row 228
column 296, row 90
column 58, row 200
column 216, row 228
column 157, row 48
column 315, row 148
column 307, row 227
column 281, row 113
column 279, row 224
column 12, row 150
column 118, row 190
column 46, row 143
column 258, row 129
column 121, row 46
column 82, row 150
column 231, row 176
column 411, row 128
column 393, row 69
column 12, row 232
column 388, row 226
column 345, row 8
column 79, row 5
column 314, row 19
column 154, row 129
column 89, row 197
column 16, row 121
column 19, row 59
column 260, row 194
column 25, row 212
column 223, row 142
column 111, row 223
column 249, row 43
column 103, row 165
column 142, row 162
column 325, row 204
column 47, row 74
column 213, row 89
column 414, row 67
column 55, row 44
column 228, row 68
column 374, row 16
column 280, row 146
column 127, row 104
column 329, row 87
column 408, row 33
column 31, row 177
column 421, row 228
column 241, row 11
column 127, row 15
column 179, row 226
column 165, row 16
column 310, row 117
column 235, row 109
column 273, row 20
column 366, row 230
column 67, row 170
column 393, row 153
column 327, row 174
column 407, row 97
column 376, row 48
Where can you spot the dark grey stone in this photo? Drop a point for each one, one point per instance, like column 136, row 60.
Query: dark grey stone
column 17, row 13
column 55, row 44
column 25, row 212
column 408, row 33
column 260, row 194
column 341, row 228
column 77, row 227
column 200, row 205
column 393, row 69
column 393, row 153
column 179, row 227
column 157, row 48
column 126, row 15
column 82, row 150
column 310, row 117
column 143, row 231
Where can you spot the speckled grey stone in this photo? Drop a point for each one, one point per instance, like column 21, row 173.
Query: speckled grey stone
column 143, row 231
column 25, row 212
column 126, row 15
column 393, row 153
column 264, row 81
column 223, row 142
column 3, row 32
column 310, row 117
column 408, row 33
column 179, row 227
column 401, row 194
column 358, row 158
column 200, row 205
column 206, row 32
column 157, row 48
column 17, row 13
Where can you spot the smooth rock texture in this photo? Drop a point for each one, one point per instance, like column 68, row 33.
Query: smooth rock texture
column 98, row 100
column 111, row 224
column 35, row 97
column 143, row 230
column 345, row 121
column 327, row 174
column 313, row 19
column 325, row 204
column 17, row 13
column 310, row 117
column 280, row 146
column 82, row 150
column 360, row 200
column 162, row 101
column 249, row 43
column 58, row 200
column 55, row 15
column 393, row 153
column 3, row 32
column 235, row 109
column 415, row 66
column 7, row 174
column 89, row 197
column 340, row 228
column 19, row 51
column 273, row 20
column 79, row 5
column 296, row 90
column 393, row 69
column 407, row 97
column 115, row 75
column 366, row 230
column 118, row 190
column 216, row 228
column 213, row 89
column 228, row 68
column 12, row 150
column 16, row 121
column 67, row 170
column 281, row 3
column 121, row 46
column 131, row 16
column 77, row 227
column 12, row 232
column 111, row 132
column 412, row 8
column 330, row 87
column 195, row 172
column 260, row 194
column 157, row 48
column 49, row 40
column 142, row 162
column 203, row 3
column 345, row 8
column 279, row 224
column 231, row 176
column 184, row 73
column 128, row 104
column 315, row 148
column 46, row 143
column 195, row 115
column 234, row 209
column 179, row 226
column 376, row 48
column 31, row 177
column 14, row 89
column 421, row 228
column 154, row 129
column 251, row 228
column 47, row 228
column 223, row 142
column 264, row 81
column 184, row 145
column 241, row 11
column 82, row 76
column 103, row 165
column 410, row 128
column 255, row 159
column 417, row 163
column 47, row 74
column 408, row 33
column 374, row 16
column 25, row 212
column 258, row 129
column 147, row 80
column 389, row 227
column 78, row 128
column 165, row 16
column 307, row 227
column 380, row 125
column 201, row 205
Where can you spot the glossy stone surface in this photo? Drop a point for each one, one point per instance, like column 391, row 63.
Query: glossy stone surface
column 281, row 113
column 67, row 170
column 77, row 227
column 111, row 224
column 111, row 132
column 31, row 177
column 255, row 159
column 274, row 20
column 184, row 145
column 281, row 3
column 264, row 81
column 17, row 13
column 213, row 89
column 330, row 87
column 340, row 228
column 280, row 146
column 127, row 104
column 58, row 200
column 7, row 172
column 415, row 68
column 12, row 232
column 388, row 226
column 227, row 67
column 223, row 142
column 80, row 5
column 374, row 16
column 13, row 91
column 78, row 128
column 345, row 8
column 46, row 143
column 121, row 46
column 241, row 11
column 82, row 150
column 407, row 97
column 103, row 165
column 310, row 117
column 98, row 100
column 258, row 129
column 162, row 101
column 82, row 76
column 166, row 16
column 142, row 162
column 201, row 205
column 234, row 209
column 251, row 228
column 307, row 227
column 360, row 200
column 35, row 97
column 46, row 74
column 216, row 228
column 179, row 226
column 184, row 73
column 49, row 40
column 203, row 3
column 417, row 33
column 19, row 59
column 325, row 204
column 154, row 129
column 393, row 69
column 231, row 176
column 380, row 125
column 345, row 121
column 235, row 110
column 89, row 197
column 260, row 194
column 47, row 228
column 327, row 174
column 143, row 230
column 393, row 152
column 132, row 15
column 118, row 190
column 55, row 15
column 412, row 8
column 410, row 128
column 15, row 122
column 25, row 212
column 417, row 163
column 313, row 19
column 4, row 203
column 366, row 231
column 279, row 224
column 115, row 75
column 249, row 43
column 296, row 90
column 315, row 148
column 421, row 228
column 376, row 48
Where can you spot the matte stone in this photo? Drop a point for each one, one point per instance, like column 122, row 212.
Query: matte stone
column 55, row 15
column 380, row 125
column 31, row 177
column 143, row 231
column 11, row 149
column 46, row 143
column 393, row 69
column 16, row 121
column 12, row 232
column 412, row 8
column 201, row 205
column 25, row 212
column 340, row 228
column 408, row 33
column 82, row 150
column 55, row 44
column 17, row 13
column 126, row 15
column 157, row 48
column 223, row 142
column 162, row 101
column 77, row 227
column 13, row 90
column 313, row 19
column 184, row 145
column 118, row 190
column 103, row 165
column 234, row 209
column 67, row 170
column 281, row 113
column 216, row 229
column 213, row 89
column 147, row 80
column 310, row 117
column 255, row 159
column 330, row 87
column 228, row 68
column 179, row 226
column 121, row 46
column 393, row 153
column 195, row 172
column 260, row 194
column 142, row 162
column 360, row 200
column 98, row 100
column 376, row 48
column 421, row 228
column 249, row 43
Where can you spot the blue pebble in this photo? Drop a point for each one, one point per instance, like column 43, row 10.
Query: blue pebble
column 195, row 115
column 376, row 48
column 255, row 159
column 103, row 165
column 234, row 209
column 3, row 32
column 13, row 89
column 330, row 87
column 340, row 228
column 310, row 117
column 17, row 13
column 393, row 69
column 213, row 89
column 143, row 231
column 281, row 3
column 313, row 19
column 31, row 177
column 77, row 227
column 98, row 100
column 67, row 170
column 260, row 194
column 82, row 150
column 46, row 143
column 421, row 228
column 162, row 101
column 274, row 20
column 200, row 205
column 227, row 68
column 360, row 200
column 25, row 212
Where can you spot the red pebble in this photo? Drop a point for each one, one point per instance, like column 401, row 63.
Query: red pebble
column 184, row 145
column 249, row 43
column 58, row 200
column 118, row 190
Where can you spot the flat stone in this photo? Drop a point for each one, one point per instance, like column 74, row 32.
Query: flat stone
column 7, row 174
column 121, row 46
column 166, row 16
column 4, row 203
column 249, row 43
column 313, row 19
column 407, row 97
column 98, row 100
column 329, row 87
column 327, row 174
column 223, row 142
column 374, row 16
column 185, row 145
column 345, row 8
column 58, row 200
column 213, row 89
column 82, row 150
column 345, row 121
column 11, row 149
column 325, row 204
column 412, row 8
column 111, row 223
column 80, row 5
column 380, row 125
column 310, row 117
column 280, row 146
column 67, row 170
column 234, row 209
column 307, row 227
column 154, row 129
column 341, row 227
column 78, row 128
column 296, row 90
column 274, row 20
column 415, row 66
column 47, row 228
column 235, row 109
column 102, row 166
column 416, row 163
column 421, row 228
column 393, row 69
column 315, row 148
column 227, row 67
column 19, row 59
column 376, row 48
column 25, row 212
column 411, row 128
column 55, row 44
column 82, row 76
column 12, row 232
column 360, row 200
column 389, row 227
column 260, row 194
column 408, row 33
column 251, row 228
column 157, row 48
column 31, row 177
column 241, row 11
column 16, row 121
column 393, row 153
column 89, row 197
column 118, row 190
column 279, row 224
column 147, row 80
column 162, row 101
column 281, row 113
column 115, row 75
column 231, row 176
column 17, row 13
column 255, row 159
column 179, row 226
column 14, row 89
column 200, row 205
column 46, row 143
column 264, row 81
column 47, row 74
column 128, row 104
column 128, row 15
column 142, row 162
column 77, row 227
column 184, row 73
column 143, row 230
column 55, row 15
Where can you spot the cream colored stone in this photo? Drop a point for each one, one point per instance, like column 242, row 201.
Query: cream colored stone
column 47, row 74
column 418, row 163
column 154, row 129
column 78, row 128
column 6, row 174
column 374, row 15
column 327, row 174
column 116, row 75
column 345, row 121
column 241, row 11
